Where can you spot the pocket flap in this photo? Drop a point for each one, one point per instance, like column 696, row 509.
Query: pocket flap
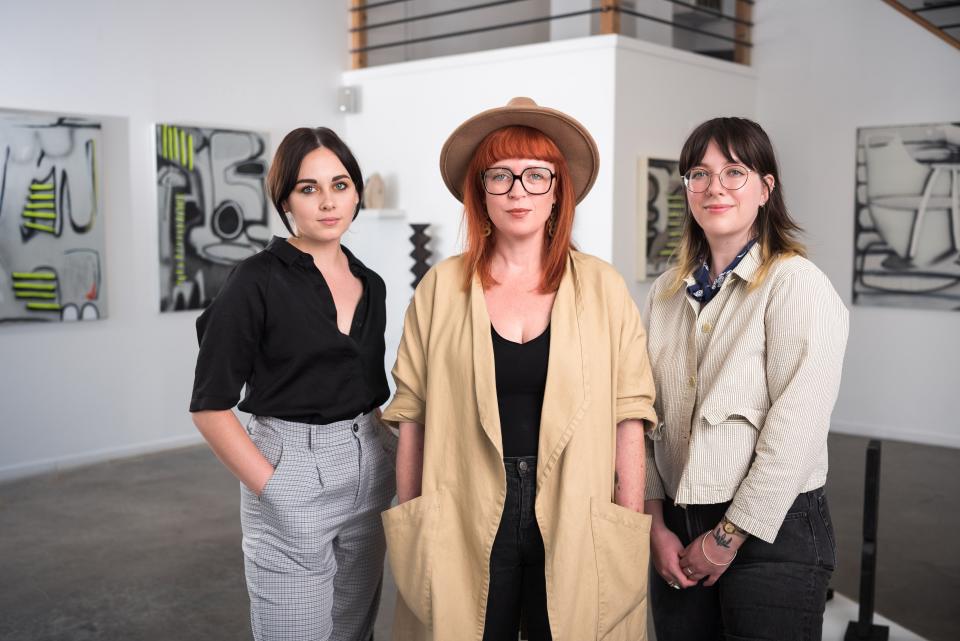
column 715, row 416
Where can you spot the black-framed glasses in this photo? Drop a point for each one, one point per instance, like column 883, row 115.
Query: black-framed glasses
column 498, row 181
column 732, row 177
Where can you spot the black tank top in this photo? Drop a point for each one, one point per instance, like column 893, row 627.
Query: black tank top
column 521, row 371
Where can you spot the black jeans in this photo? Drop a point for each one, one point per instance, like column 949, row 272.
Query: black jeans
column 517, row 581
column 771, row 592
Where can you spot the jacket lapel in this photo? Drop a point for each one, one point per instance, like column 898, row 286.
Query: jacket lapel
column 567, row 391
column 483, row 366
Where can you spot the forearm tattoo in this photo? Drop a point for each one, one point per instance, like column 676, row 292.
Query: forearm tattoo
column 721, row 538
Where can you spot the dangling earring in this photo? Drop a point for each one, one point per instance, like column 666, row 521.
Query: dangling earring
column 552, row 225
column 486, row 228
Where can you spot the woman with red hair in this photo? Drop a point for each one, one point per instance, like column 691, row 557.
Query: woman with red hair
column 523, row 389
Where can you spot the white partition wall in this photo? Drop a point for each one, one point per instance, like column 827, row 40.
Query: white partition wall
column 823, row 70
column 73, row 393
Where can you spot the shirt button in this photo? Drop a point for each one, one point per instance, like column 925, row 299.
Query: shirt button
column 523, row 466
column 692, row 381
column 356, row 428
column 707, row 327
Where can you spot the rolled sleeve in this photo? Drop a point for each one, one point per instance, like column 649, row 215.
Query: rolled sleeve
column 229, row 332
column 635, row 387
column 806, row 327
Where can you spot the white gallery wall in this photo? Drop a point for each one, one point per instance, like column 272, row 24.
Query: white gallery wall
column 825, row 68
column 73, row 393
column 80, row 392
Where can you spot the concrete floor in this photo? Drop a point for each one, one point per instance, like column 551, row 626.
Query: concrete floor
column 149, row 547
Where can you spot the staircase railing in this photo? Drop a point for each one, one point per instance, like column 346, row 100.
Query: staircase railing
column 380, row 30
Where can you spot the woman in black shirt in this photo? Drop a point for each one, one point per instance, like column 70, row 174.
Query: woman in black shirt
column 301, row 325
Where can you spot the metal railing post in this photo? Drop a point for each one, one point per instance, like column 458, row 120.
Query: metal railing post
column 864, row 629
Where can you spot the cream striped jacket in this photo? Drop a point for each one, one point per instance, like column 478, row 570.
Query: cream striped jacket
column 745, row 388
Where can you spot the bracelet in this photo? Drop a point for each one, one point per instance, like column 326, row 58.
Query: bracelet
column 703, row 541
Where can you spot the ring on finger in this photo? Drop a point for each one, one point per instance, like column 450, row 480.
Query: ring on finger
column 674, row 585
column 688, row 570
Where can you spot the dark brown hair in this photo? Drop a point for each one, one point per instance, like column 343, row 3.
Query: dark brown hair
column 744, row 141
column 517, row 142
column 285, row 169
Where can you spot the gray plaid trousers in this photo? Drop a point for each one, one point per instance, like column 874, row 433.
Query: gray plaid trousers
column 313, row 544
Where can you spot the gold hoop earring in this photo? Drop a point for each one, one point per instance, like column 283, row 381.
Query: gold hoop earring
column 486, row 229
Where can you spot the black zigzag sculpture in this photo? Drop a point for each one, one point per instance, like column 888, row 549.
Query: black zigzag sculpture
column 420, row 254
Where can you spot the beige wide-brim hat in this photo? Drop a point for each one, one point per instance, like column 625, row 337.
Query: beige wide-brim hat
column 575, row 142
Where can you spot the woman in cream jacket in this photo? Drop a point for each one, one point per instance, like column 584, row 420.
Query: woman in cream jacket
column 583, row 547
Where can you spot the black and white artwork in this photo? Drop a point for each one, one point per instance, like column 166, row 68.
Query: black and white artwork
column 907, row 217
column 212, row 208
column 660, row 212
column 51, row 225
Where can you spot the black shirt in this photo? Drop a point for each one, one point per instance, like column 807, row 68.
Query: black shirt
column 273, row 327
column 521, row 373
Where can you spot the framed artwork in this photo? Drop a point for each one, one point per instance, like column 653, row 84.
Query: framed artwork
column 660, row 212
column 212, row 209
column 907, row 217
column 51, row 223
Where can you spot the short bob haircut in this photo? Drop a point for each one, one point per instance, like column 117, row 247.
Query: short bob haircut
column 282, row 178
column 744, row 141
column 517, row 142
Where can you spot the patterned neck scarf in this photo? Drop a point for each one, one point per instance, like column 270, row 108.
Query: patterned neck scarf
column 702, row 289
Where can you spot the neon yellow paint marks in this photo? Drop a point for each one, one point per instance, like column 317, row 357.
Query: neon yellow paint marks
column 183, row 147
column 34, row 276
column 175, row 152
column 45, row 215
column 36, row 197
column 47, row 307
column 46, row 295
column 190, row 152
column 39, row 227
column 41, row 187
column 42, row 205
column 179, row 239
column 42, row 287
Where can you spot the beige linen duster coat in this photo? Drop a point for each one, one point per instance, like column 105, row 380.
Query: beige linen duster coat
column 439, row 543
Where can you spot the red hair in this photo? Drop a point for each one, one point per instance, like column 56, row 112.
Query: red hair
column 517, row 142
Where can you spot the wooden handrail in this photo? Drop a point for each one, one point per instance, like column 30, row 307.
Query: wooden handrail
column 610, row 22
column 923, row 22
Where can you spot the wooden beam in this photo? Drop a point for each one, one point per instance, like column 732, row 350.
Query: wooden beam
column 743, row 32
column 609, row 16
column 926, row 24
column 358, row 39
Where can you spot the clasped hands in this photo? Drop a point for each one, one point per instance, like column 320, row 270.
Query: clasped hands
column 706, row 558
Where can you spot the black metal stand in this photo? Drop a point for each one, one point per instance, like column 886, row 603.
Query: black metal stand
column 420, row 253
column 864, row 628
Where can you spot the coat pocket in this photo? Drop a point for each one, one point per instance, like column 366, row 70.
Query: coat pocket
column 621, row 542
column 410, row 529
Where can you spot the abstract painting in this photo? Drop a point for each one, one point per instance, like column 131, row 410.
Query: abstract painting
column 51, row 227
column 660, row 209
column 907, row 217
column 212, row 208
